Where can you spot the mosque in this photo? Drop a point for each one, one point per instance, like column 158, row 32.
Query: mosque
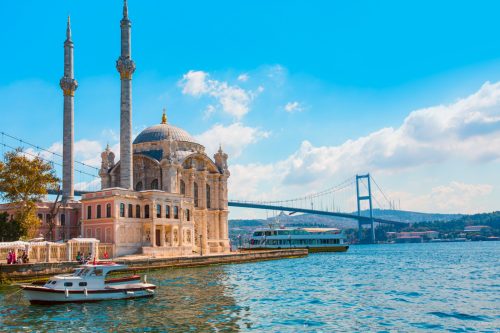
column 165, row 197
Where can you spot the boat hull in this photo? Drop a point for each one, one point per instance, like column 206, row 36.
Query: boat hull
column 42, row 295
column 337, row 248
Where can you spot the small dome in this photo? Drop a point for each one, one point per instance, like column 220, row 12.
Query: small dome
column 160, row 132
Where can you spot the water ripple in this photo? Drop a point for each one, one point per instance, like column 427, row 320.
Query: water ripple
column 450, row 287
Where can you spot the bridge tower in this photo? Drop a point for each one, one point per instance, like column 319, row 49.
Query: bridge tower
column 363, row 198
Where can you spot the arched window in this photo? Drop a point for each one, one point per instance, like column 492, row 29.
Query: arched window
column 138, row 186
column 158, row 211
column 108, row 210
column 208, row 196
column 146, row 212
column 183, row 187
column 89, row 212
column 122, row 210
column 188, row 217
column 167, row 211
column 130, row 212
column 176, row 212
column 138, row 211
column 98, row 212
column 154, row 184
column 195, row 194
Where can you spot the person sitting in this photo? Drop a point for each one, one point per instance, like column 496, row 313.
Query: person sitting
column 79, row 257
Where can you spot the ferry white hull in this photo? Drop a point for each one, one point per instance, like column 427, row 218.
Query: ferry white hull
column 43, row 295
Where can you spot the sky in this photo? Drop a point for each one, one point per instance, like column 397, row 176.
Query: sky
column 301, row 94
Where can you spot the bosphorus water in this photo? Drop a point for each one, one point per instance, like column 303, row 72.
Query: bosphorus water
column 438, row 287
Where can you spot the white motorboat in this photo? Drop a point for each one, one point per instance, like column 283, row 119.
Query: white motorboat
column 88, row 284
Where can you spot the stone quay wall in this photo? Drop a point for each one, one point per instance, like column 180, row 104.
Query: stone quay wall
column 43, row 270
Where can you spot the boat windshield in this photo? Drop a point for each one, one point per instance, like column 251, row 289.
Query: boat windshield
column 83, row 272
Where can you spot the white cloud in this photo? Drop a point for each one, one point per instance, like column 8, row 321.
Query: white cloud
column 455, row 197
column 467, row 131
column 233, row 138
column 92, row 185
column 232, row 99
column 293, row 107
column 209, row 111
column 243, row 77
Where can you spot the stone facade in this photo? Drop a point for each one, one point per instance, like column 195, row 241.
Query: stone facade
column 170, row 169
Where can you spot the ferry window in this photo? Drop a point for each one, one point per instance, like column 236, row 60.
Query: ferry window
column 208, row 196
column 98, row 272
column 68, row 284
column 89, row 212
column 82, row 284
column 176, row 212
column 53, row 282
column 146, row 212
column 108, row 210
column 130, row 212
column 167, row 211
column 183, row 187
column 158, row 211
column 138, row 211
column 195, row 187
column 122, row 210
column 98, row 212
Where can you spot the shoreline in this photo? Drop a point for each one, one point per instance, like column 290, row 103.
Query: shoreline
column 26, row 273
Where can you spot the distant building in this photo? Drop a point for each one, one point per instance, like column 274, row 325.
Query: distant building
column 475, row 228
column 412, row 236
column 66, row 220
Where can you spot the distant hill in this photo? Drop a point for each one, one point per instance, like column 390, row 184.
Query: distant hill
column 343, row 223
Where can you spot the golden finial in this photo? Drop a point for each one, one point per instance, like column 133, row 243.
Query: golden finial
column 164, row 117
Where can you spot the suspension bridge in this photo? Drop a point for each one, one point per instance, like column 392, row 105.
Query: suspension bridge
column 355, row 198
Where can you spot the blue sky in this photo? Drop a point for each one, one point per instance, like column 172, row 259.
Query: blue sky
column 283, row 85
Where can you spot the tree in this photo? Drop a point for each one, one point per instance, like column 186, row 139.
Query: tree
column 51, row 216
column 23, row 182
column 10, row 229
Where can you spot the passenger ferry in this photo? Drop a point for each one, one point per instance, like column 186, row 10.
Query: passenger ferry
column 88, row 284
column 314, row 239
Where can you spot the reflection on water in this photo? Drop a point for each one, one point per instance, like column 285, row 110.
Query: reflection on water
column 187, row 300
column 404, row 288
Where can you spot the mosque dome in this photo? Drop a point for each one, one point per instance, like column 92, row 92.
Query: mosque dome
column 161, row 131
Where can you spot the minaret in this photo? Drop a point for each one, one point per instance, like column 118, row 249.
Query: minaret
column 68, row 85
column 126, row 66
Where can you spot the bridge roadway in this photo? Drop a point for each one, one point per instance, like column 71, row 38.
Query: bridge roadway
column 360, row 219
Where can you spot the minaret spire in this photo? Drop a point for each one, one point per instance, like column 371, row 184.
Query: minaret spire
column 68, row 85
column 68, row 30
column 126, row 66
column 125, row 9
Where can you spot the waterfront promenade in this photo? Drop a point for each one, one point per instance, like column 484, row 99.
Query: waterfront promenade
column 43, row 270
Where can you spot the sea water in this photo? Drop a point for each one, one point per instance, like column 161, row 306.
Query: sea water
column 442, row 287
